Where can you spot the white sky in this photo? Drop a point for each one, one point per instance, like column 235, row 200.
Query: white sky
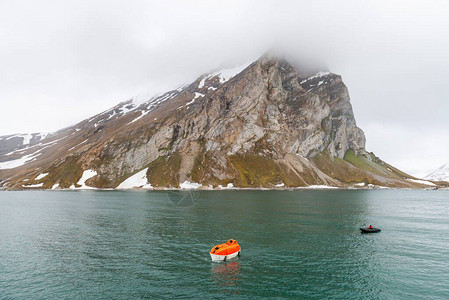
column 64, row 61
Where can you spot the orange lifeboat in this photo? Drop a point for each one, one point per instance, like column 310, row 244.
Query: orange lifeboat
column 225, row 251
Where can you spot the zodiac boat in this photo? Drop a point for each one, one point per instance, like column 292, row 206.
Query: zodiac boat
column 369, row 229
column 225, row 251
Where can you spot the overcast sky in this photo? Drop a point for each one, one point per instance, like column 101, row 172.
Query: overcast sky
column 64, row 61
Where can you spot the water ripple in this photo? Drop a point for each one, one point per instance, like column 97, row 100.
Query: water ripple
column 302, row 244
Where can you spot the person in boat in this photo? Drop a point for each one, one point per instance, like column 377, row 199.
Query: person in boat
column 370, row 227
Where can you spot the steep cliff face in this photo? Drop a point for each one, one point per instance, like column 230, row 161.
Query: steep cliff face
column 258, row 125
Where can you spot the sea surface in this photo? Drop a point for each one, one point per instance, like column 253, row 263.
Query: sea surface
column 295, row 244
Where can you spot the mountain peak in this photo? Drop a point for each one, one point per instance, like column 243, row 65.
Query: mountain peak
column 265, row 123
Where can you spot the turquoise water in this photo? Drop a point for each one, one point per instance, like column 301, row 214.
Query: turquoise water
column 301, row 244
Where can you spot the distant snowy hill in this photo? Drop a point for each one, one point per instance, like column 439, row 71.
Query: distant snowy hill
column 440, row 174
column 9, row 143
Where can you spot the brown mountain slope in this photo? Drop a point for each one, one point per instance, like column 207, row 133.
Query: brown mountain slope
column 261, row 125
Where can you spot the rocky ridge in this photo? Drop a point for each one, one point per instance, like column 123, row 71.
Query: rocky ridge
column 265, row 124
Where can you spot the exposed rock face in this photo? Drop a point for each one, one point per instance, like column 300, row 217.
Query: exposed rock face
column 262, row 125
column 269, row 102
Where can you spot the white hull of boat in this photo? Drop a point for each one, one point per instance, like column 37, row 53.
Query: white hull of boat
column 216, row 257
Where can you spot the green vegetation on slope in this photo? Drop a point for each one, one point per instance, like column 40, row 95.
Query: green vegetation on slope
column 255, row 171
column 164, row 171
column 205, row 166
column 371, row 164
column 66, row 173
column 341, row 169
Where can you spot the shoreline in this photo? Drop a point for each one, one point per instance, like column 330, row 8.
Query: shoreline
column 290, row 189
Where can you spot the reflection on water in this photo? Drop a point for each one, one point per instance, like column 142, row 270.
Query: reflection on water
column 227, row 275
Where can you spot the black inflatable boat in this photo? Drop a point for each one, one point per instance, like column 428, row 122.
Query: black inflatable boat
column 369, row 230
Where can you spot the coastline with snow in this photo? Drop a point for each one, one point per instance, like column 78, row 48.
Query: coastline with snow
column 148, row 187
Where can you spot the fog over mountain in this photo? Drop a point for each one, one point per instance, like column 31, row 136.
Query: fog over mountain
column 66, row 61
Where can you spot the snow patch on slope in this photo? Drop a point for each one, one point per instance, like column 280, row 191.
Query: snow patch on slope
column 26, row 158
column 144, row 113
column 42, row 136
column 86, row 175
column 225, row 74
column 320, row 187
column 201, row 84
column 317, row 75
column 33, row 185
column 138, row 180
column 45, row 145
column 422, row 182
column 151, row 101
column 26, row 138
column 127, row 107
column 187, row 185
column 40, row 176
column 20, row 161
column 197, row 95
column 145, row 103
column 229, row 186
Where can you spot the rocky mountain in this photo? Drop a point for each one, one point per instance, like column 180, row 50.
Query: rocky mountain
column 264, row 124
column 440, row 174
